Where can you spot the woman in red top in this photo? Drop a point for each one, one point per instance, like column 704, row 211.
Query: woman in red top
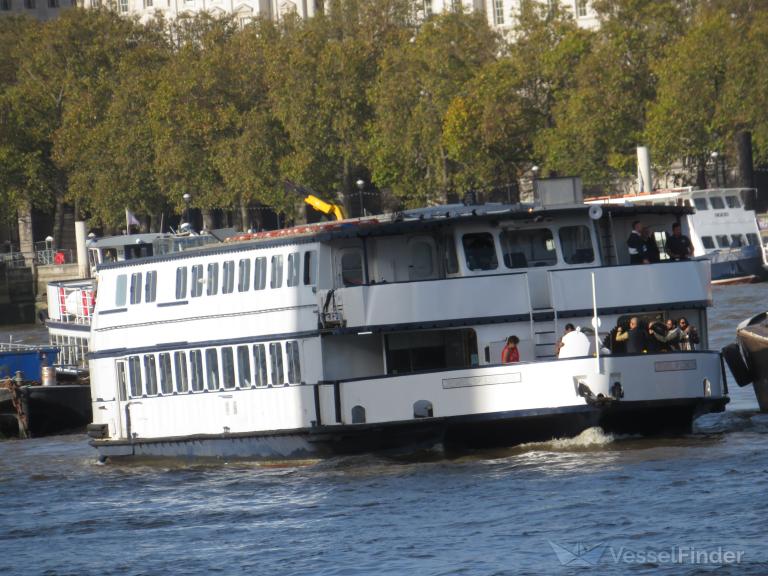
column 510, row 353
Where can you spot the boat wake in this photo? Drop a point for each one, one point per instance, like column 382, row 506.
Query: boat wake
column 736, row 421
column 589, row 439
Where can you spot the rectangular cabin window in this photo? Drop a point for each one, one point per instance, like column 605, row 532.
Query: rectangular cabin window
column 737, row 241
column 136, row 288
column 121, row 380
column 722, row 240
column 212, row 286
column 181, row 283
column 294, row 260
column 150, row 373
column 451, row 258
column 276, row 362
column 480, row 251
column 753, row 239
column 700, row 203
column 227, row 367
column 717, row 202
column 310, row 268
column 294, row 364
column 709, row 244
column 352, row 267
column 228, row 284
column 212, row 368
column 260, row 273
column 529, row 248
column 121, row 290
column 166, row 376
column 243, row 367
column 134, row 376
column 197, row 281
column 150, row 287
column 276, row 276
column 576, row 244
column 180, row 367
column 260, row 364
column 733, row 201
column 244, row 275
column 196, row 366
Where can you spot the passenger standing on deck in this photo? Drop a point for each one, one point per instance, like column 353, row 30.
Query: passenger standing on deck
column 573, row 344
column 688, row 335
column 634, row 337
column 510, row 353
column 636, row 245
column 651, row 248
column 678, row 245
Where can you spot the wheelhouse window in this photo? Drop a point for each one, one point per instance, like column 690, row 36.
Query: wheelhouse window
column 244, row 275
column 228, row 282
column 352, row 268
column 276, row 362
column 150, row 372
column 212, row 368
column 197, row 281
column 134, row 375
column 276, row 273
column 166, row 376
column 121, row 290
column 733, row 201
column 243, row 367
column 196, row 365
column 181, row 283
column 480, row 251
column 294, row 261
column 737, row 241
column 753, row 239
column 700, row 203
column 451, row 258
column 576, row 244
column 260, row 273
column 150, row 287
column 722, row 241
column 260, row 364
column 530, row 247
column 310, row 268
column 717, row 202
column 136, row 288
column 294, row 364
column 227, row 368
column 709, row 244
column 180, row 368
column 212, row 286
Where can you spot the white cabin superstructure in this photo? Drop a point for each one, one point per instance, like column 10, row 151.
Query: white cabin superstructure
column 387, row 332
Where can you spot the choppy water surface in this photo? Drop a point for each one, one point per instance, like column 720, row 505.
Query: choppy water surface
column 692, row 505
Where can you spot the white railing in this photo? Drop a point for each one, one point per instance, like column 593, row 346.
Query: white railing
column 71, row 302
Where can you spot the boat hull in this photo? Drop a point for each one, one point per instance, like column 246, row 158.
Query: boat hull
column 458, row 433
column 738, row 270
column 752, row 336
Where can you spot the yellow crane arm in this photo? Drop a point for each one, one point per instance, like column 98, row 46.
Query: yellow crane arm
column 325, row 207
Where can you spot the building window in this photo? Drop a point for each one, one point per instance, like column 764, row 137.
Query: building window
column 498, row 12
column 294, row 260
column 197, row 280
column 310, row 268
column 196, row 363
column 480, row 251
column 5, row 4
column 243, row 367
column 180, row 367
column 212, row 368
column 166, row 376
column 136, row 288
column 276, row 277
column 276, row 361
column 260, row 365
column 122, row 289
column 581, row 8
column 213, row 279
column 150, row 288
column 228, row 284
column 294, row 364
column 134, row 375
column 260, row 273
column 181, row 283
column 30, row 4
column 148, row 3
column 244, row 278
column 52, row 3
column 150, row 372
column 122, row 4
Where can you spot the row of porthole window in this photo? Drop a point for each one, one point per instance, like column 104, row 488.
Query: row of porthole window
column 199, row 279
column 735, row 241
column 212, row 369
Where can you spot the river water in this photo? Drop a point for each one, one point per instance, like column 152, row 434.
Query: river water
column 594, row 504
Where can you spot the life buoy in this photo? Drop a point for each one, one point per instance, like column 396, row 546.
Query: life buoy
column 737, row 363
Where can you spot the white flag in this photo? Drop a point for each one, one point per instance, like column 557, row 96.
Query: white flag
column 130, row 219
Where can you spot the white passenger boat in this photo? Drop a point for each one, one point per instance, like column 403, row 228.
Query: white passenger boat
column 71, row 302
column 721, row 228
column 387, row 332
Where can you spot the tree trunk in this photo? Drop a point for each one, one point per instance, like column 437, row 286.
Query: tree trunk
column 244, row 220
column 26, row 233
column 208, row 218
column 58, row 222
column 701, row 174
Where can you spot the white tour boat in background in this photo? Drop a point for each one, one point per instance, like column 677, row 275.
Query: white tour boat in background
column 387, row 332
column 721, row 228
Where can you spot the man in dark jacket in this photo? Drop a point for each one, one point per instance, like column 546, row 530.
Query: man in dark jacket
column 636, row 245
column 678, row 245
column 635, row 338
